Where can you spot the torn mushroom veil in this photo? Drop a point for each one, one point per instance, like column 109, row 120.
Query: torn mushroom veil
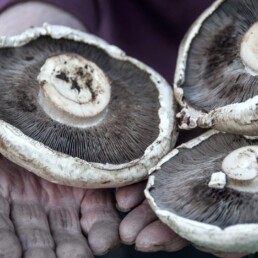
column 79, row 112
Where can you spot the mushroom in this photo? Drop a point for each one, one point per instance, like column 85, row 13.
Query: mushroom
column 206, row 190
column 79, row 112
column 217, row 74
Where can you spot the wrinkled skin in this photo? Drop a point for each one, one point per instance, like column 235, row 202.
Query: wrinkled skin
column 41, row 219
column 52, row 220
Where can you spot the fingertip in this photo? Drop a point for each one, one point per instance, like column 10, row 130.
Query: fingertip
column 73, row 248
column 130, row 196
column 127, row 232
column 158, row 237
column 134, row 222
column 103, row 237
column 100, row 221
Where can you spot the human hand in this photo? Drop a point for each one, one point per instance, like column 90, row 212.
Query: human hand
column 142, row 227
column 42, row 219
column 38, row 218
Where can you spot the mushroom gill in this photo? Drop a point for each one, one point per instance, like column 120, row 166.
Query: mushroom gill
column 214, row 66
column 131, row 122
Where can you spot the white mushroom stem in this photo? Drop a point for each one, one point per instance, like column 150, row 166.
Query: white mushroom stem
column 241, row 169
column 218, row 180
column 73, row 90
column 249, row 50
column 241, row 164
column 239, row 118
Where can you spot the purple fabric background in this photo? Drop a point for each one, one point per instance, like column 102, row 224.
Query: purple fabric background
column 149, row 30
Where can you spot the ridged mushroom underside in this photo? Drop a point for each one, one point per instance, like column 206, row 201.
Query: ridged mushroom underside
column 181, row 186
column 214, row 66
column 131, row 122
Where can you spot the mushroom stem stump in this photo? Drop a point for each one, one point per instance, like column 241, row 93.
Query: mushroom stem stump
column 241, row 168
column 73, row 90
column 249, row 50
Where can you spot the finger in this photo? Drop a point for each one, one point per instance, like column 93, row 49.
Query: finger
column 221, row 254
column 100, row 220
column 59, row 195
column 28, row 216
column 135, row 221
column 9, row 243
column 62, row 206
column 66, row 231
column 158, row 237
column 32, row 228
column 7, row 175
column 130, row 196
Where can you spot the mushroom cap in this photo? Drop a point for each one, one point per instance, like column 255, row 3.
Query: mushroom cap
column 218, row 218
column 211, row 73
column 136, row 131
